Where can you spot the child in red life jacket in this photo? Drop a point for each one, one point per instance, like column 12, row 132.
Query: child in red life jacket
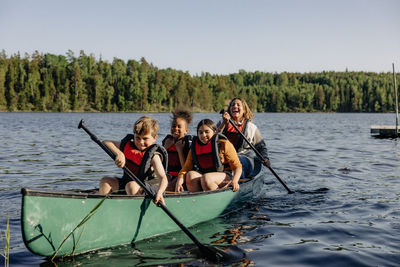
column 142, row 156
column 177, row 145
column 212, row 162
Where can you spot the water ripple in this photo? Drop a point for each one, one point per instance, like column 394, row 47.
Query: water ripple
column 344, row 212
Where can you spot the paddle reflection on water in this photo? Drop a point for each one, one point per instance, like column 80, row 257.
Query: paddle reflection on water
column 164, row 250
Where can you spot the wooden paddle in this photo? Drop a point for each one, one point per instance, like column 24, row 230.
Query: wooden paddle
column 230, row 255
column 258, row 154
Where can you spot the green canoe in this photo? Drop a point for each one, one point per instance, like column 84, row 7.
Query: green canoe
column 48, row 218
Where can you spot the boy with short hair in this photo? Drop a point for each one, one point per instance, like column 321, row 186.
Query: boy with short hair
column 142, row 156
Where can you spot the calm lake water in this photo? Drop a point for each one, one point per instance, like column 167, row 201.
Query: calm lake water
column 345, row 212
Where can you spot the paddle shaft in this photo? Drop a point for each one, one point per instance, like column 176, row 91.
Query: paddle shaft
column 202, row 248
column 260, row 156
column 397, row 102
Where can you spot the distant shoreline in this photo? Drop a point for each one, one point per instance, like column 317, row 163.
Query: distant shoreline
column 58, row 83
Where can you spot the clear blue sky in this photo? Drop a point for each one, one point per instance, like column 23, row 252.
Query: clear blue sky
column 216, row 36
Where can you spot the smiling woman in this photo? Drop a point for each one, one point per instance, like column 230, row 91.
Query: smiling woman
column 238, row 131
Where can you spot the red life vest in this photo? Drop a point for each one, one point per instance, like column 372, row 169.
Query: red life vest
column 234, row 136
column 139, row 162
column 206, row 156
column 174, row 164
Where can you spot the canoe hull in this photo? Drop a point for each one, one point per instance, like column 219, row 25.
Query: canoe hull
column 48, row 218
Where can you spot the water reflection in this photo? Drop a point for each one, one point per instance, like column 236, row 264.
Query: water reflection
column 354, row 223
column 174, row 249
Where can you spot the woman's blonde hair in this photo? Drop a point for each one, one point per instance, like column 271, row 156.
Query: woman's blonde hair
column 247, row 114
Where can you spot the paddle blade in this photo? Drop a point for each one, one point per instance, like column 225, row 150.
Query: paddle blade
column 316, row 191
column 227, row 255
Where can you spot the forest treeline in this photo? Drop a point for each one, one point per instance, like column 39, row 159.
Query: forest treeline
column 63, row 83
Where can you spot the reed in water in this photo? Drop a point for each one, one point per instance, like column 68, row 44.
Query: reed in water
column 6, row 244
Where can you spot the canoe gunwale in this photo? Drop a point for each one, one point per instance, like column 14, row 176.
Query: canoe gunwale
column 84, row 195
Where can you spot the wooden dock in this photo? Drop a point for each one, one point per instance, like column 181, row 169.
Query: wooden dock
column 385, row 131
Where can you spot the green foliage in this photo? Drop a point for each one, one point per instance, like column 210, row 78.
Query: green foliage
column 47, row 82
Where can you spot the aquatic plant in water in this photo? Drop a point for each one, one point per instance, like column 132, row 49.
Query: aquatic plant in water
column 6, row 244
column 82, row 223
